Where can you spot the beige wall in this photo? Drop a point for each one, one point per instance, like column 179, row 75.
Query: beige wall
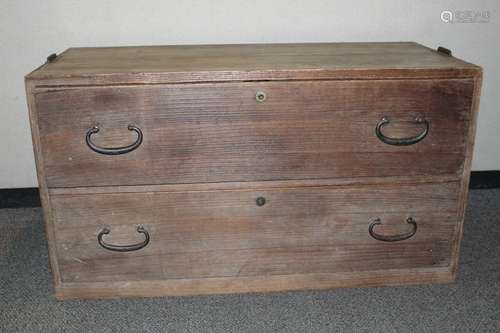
column 31, row 30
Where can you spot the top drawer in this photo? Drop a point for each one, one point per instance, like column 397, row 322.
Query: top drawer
column 217, row 132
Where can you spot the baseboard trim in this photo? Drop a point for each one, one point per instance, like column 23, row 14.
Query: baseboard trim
column 484, row 179
column 29, row 197
column 19, row 197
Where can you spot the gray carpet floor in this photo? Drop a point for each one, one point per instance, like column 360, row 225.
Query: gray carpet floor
column 472, row 304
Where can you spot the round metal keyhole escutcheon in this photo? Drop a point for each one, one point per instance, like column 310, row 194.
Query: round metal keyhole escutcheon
column 260, row 96
column 260, row 201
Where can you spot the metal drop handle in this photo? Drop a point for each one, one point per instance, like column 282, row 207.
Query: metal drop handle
column 403, row 141
column 117, row 150
column 394, row 238
column 123, row 248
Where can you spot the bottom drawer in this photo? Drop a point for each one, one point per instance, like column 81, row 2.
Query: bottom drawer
column 251, row 233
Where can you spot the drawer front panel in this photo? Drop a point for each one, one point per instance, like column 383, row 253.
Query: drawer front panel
column 226, row 234
column 196, row 133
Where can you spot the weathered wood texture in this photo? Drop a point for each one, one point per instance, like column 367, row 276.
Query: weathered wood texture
column 219, row 132
column 210, row 149
column 224, row 233
column 209, row 63
column 245, row 284
column 42, row 185
column 464, row 190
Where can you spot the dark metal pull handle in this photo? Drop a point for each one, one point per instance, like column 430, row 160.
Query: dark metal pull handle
column 123, row 248
column 114, row 151
column 403, row 141
column 394, row 238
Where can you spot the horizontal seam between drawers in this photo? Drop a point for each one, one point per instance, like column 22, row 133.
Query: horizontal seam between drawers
column 254, row 185
column 367, row 78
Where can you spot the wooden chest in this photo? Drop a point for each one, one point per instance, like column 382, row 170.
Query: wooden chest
column 180, row 170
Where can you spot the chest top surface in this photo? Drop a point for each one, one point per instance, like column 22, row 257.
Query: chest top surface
column 247, row 62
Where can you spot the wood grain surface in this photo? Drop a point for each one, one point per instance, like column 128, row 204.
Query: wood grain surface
column 245, row 284
column 216, row 63
column 219, row 133
column 42, row 185
column 210, row 149
column 224, row 233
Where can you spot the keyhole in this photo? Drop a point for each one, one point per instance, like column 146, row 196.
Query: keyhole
column 260, row 201
column 260, row 96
